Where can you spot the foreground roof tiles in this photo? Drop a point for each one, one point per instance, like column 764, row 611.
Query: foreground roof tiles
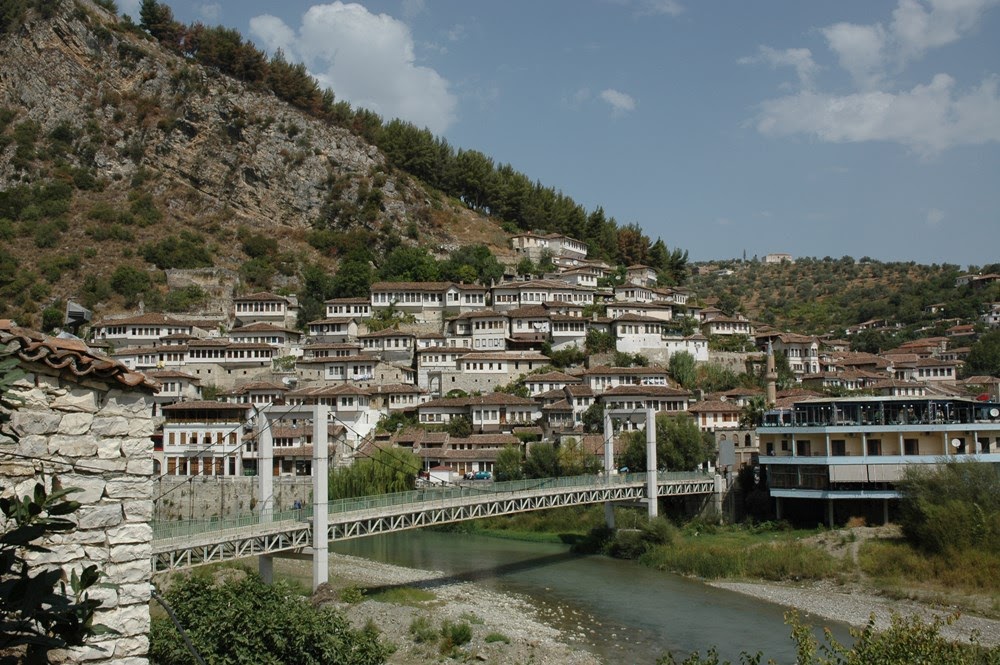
column 70, row 355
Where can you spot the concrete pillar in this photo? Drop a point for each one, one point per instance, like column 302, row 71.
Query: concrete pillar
column 321, row 492
column 829, row 513
column 885, row 511
column 265, row 484
column 609, row 463
column 265, row 566
column 777, row 507
column 719, row 491
column 651, row 485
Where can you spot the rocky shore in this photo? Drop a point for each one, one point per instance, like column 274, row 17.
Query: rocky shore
column 489, row 613
column 530, row 637
column 854, row 606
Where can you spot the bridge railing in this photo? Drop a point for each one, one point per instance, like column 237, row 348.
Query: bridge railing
column 163, row 530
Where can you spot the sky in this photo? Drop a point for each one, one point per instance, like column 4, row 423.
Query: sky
column 724, row 127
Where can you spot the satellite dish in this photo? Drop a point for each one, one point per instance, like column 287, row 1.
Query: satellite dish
column 994, row 413
column 956, row 443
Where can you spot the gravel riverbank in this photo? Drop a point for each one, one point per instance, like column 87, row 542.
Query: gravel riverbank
column 488, row 612
column 854, row 606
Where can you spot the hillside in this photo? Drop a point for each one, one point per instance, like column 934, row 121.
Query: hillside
column 829, row 295
column 109, row 143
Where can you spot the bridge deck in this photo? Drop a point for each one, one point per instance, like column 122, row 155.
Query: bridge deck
column 193, row 542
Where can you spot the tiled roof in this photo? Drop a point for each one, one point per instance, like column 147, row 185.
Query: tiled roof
column 624, row 371
column 509, row 356
column 327, row 391
column 714, row 406
column 263, row 327
column 411, row 286
column 260, row 297
column 205, row 405
column 347, row 301
column 549, row 377
column 480, row 314
column 70, row 355
column 650, row 391
column 154, row 318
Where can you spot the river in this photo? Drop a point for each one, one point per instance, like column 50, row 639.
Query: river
column 620, row 610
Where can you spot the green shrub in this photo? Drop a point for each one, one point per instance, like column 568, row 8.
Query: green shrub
column 496, row 637
column 184, row 251
column 953, row 506
column 352, row 595
column 129, row 282
column 247, row 621
column 185, row 299
column 454, row 635
column 422, row 630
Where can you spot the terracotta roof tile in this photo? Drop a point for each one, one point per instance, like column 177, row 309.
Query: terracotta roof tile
column 70, row 355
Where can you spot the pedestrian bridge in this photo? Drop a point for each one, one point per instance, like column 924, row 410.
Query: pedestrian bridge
column 187, row 543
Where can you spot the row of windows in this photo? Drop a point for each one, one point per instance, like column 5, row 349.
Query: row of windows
column 260, row 307
column 201, row 466
column 203, row 439
column 230, row 354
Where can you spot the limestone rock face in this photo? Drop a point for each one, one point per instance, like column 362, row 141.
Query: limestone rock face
column 208, row 154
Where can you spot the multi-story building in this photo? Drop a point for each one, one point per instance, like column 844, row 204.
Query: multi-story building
column 427, row 301
column 266, row 308
column 511, row 295
column 202, row 438
column 845, row 456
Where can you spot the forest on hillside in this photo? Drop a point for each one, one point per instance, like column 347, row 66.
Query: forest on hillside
column 499, row 191
column 828, row 295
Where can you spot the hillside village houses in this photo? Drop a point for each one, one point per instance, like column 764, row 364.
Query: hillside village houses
column 465, row 342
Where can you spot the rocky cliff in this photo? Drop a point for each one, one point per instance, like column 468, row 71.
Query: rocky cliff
column 149, row 144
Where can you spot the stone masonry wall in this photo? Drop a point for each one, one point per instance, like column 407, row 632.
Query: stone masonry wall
column 201, row 497
column 97, row 439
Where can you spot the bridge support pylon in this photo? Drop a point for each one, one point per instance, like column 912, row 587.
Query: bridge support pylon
column 609, row 467
column 651, row 485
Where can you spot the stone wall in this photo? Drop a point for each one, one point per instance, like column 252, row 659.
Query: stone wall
column 201, row 497
column 96, row 437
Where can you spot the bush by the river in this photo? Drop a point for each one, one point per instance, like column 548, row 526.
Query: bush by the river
column 788, row 560
column 952, row 507
column 243, row 620
column 905, row 642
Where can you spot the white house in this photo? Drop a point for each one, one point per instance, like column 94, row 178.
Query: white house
column 202, row 438
column 265, row 307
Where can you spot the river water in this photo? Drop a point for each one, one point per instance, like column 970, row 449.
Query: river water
column 620, row 610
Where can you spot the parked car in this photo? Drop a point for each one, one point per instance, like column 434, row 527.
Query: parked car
column 483, row 475
column 469, row 475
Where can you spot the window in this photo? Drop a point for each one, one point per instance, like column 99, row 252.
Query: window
column 838, row 447
column 911, row 447
column 874, row 446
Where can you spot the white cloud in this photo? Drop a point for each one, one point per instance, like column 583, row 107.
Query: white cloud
column 456, row 33
column 860, row 51
column 935, row 216
column 412, row 8
column 928, row 118
column 916, row 28
column 619, row 101
column 799, row 58
column 667, row 7
column 367, row 59
column 210, row 11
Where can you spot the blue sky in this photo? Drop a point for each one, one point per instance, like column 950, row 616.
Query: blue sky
column 856, row 127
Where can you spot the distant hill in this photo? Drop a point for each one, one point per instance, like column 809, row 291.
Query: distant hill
column 829, row 295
